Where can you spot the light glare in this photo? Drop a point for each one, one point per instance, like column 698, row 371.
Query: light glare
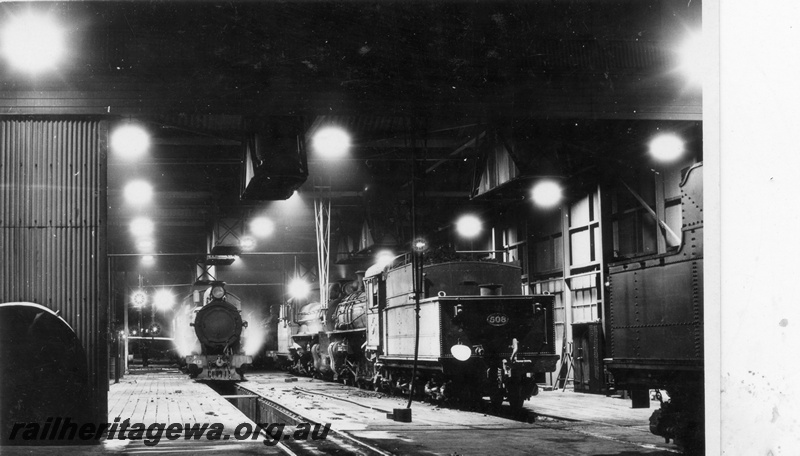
column 163, row 300
column 139, row 298
column 262, row 227
column 146, row 245
column 141, row 227
column 138, row 193
column 384, row 257
column 469, row 226
column 33, row 43
column 666, row 147
column 691, row 58
column 247, row 243
column 299, row 288
column 546, row 194
column 331, row 142
column 130, row 141
column 148, row 260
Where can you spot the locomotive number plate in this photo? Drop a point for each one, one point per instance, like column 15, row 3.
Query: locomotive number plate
column 497, row 319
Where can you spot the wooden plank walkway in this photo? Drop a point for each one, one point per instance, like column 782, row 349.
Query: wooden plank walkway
column 170, row 397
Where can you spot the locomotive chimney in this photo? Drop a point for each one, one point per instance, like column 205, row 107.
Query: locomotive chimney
column 491, row 289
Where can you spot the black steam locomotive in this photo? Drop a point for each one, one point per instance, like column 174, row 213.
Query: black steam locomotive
column 474, row 340
column 655, row 324
column 218, row 325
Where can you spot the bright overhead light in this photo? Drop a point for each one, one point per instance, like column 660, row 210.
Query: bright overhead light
column 32, row 42
column 141, row 227
column 331, row 142
column 262, row 226
column 469, row 226
column 148, row 260
column 130, row 141
column 691, row 60
column 138, row 192
column 666, row 147
column 546, row 194
column 299, row 288
column 163, row 300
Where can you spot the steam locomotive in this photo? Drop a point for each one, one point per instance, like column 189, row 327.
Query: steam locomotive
column 218, row 325
column 655, row 325
column 474, row 340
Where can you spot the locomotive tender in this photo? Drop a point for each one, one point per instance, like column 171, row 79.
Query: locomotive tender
column 474, row 339
column 218, row 326
column 655, row 324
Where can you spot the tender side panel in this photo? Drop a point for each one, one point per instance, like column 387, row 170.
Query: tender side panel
column 654, row 312
column 401, row 331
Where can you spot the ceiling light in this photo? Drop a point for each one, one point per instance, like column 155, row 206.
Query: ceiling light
column 130, row 141
column 163, row 300
column 138, row 192
column 299, row 288
column 141, row 227
column 148, row 260
column 262, row 227
column 546, row 193
column 666, row 147
column 331, row 142
column 469, row 226
column 32, row 42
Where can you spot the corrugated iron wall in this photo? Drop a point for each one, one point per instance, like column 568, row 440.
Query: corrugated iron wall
column 53, row 228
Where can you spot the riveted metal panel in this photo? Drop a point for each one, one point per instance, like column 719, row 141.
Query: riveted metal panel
column 53, row 228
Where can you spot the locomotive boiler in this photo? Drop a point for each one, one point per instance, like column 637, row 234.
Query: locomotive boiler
column 655, row 325
column 478, row 335
column 218, row 326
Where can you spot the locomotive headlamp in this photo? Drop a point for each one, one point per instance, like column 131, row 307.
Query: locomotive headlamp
column 460, row 351
column 217, row 291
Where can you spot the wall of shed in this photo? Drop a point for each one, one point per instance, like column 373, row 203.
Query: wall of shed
column 53, row 228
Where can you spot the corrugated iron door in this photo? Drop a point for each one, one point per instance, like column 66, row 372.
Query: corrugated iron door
column 53, row 227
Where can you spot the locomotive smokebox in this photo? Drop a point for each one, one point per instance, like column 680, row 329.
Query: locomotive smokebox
column 218, row 325
column 491, row 289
